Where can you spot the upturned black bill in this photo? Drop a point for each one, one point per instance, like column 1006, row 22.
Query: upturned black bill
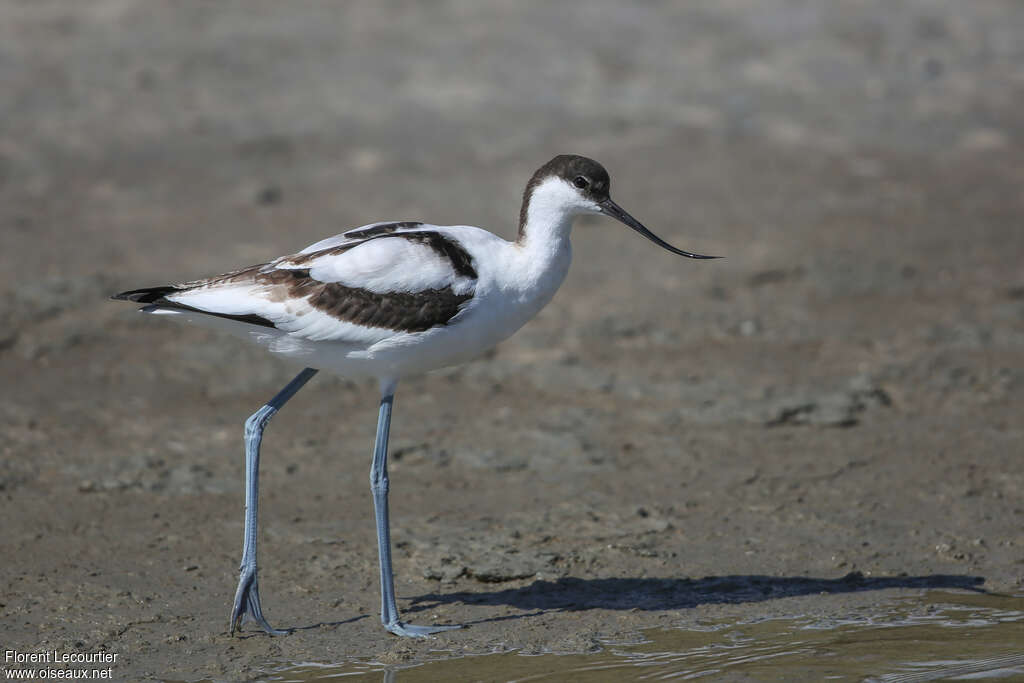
column 610, row 208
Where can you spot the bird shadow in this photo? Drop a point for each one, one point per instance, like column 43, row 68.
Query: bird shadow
column 573, row 594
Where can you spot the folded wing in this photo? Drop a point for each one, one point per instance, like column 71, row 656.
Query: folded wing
column 359, row 287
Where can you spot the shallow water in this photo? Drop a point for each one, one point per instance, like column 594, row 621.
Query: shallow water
column 937, row 636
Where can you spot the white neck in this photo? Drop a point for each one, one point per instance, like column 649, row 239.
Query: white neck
column 543, row 251
column 547, row 220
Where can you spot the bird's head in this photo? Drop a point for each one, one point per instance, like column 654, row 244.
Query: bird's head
column 577, row 185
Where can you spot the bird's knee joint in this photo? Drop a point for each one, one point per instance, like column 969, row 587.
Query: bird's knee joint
column 258, row 420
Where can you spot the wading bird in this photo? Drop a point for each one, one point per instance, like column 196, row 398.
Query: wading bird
column 389, row 300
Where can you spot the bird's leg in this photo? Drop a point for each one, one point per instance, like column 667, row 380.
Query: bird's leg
column 379, row 487
column 247, row 596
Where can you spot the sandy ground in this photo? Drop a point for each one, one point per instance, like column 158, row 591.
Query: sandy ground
column 829, row 417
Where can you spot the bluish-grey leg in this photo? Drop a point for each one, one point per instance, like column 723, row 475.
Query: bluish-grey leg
column 379, row 487
column 247, row 597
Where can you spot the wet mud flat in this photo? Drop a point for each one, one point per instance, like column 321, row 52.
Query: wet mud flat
column 935, row 636
column 824, row 423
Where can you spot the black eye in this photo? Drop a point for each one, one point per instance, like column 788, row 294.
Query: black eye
column 580, row 182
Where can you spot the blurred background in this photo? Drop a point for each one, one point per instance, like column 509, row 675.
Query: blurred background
column 841, row 393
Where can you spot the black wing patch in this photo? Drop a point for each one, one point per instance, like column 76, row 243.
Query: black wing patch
column 147, row 295
column 460, row 259
column 399, row 311
column 381, row 229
